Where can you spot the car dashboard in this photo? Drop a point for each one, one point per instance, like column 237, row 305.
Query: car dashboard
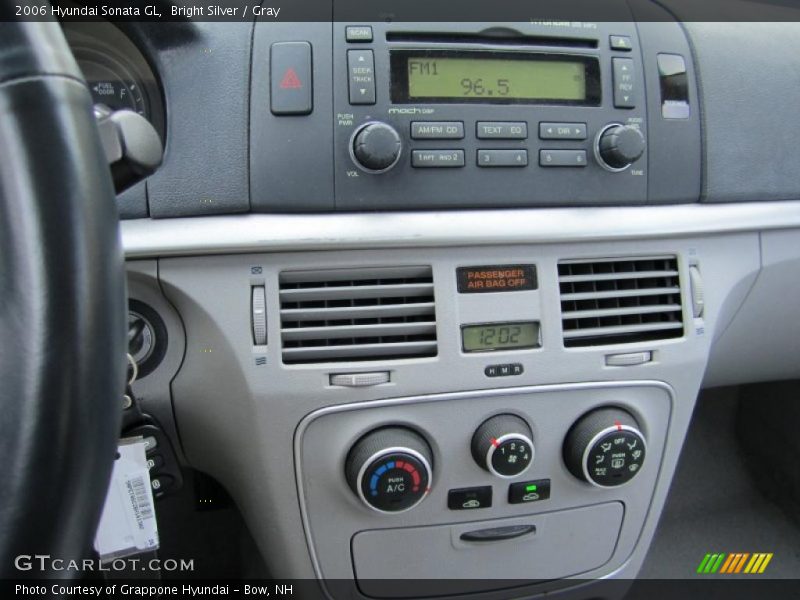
column 425, row 322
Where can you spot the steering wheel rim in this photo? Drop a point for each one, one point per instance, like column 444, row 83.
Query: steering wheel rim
column 62, row 303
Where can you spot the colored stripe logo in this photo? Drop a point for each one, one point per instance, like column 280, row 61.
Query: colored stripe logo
column 737, row 562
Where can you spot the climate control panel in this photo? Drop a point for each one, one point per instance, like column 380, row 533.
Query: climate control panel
column 484, row 470
column 390, row 469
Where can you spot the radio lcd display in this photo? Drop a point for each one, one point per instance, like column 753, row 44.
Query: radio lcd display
column 489, row 77
column 500, row 336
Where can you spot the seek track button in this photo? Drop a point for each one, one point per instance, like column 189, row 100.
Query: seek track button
column 562, row 131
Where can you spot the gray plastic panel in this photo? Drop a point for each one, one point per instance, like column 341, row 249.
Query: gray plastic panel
column 564, row 543
column 749, row 109
column 291, row 160
column 204, row 70
column 132, row 203
column 763, row 341
column 448, row 422
column 238, row 406
column 153, row 391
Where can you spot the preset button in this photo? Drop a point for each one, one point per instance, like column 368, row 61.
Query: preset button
column 562, row 158
column 502, row 158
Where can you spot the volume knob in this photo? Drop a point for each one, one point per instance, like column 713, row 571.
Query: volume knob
column 619, row 146
column 376, row 147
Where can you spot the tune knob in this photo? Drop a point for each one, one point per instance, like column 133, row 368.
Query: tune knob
column 605, row 447
column 389, row 469
column 376, row 147
column 619, row 146
column 503, row 445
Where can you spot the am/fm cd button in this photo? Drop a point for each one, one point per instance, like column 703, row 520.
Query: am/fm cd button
column 437, row 130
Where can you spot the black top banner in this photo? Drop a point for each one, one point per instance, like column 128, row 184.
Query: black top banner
column 353, row 11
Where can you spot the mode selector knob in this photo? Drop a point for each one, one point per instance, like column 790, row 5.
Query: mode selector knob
column 376, row 147
column 605, row 447
column 389, row 469
column 503, row 445
column 619, row 146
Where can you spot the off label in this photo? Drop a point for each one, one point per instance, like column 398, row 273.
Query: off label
column 496, row 278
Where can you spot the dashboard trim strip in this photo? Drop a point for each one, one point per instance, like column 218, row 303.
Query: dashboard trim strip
column 238, row 234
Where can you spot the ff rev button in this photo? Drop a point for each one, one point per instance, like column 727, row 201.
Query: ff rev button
column 290, row 78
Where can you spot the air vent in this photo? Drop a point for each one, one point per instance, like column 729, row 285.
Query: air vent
column 620, row 300
column 357, row 314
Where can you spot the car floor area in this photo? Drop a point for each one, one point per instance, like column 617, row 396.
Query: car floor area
column 715, row 504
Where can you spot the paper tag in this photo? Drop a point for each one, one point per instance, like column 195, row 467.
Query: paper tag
column 128, row 525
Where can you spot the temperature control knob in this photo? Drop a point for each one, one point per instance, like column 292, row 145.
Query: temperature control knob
column 376, row 147
column 605, row 447
column 619, row 146
column 389, row 469
column 503, row 445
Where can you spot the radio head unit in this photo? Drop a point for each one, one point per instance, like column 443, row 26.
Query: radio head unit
column 438, row 115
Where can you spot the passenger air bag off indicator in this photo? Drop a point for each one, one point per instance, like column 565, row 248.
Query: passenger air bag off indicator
column 496, row 278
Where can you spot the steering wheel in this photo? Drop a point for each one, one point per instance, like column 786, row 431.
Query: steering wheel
column 62, row 303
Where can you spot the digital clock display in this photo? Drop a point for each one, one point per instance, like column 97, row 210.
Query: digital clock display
column 500, row 336
column 489, row 77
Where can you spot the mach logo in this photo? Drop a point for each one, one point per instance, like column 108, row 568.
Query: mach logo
column 730, row 564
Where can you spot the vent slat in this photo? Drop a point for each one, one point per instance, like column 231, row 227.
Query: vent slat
column 357, row 292
column 619, row 312
column 620, row 294
column 615, row 276
column 362, row 352
column 356, row 331
column 359, row 314
column 620, row 300
column 354, row 275
column 606, row 331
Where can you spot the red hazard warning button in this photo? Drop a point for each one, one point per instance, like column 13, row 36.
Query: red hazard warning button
column 290, row 78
